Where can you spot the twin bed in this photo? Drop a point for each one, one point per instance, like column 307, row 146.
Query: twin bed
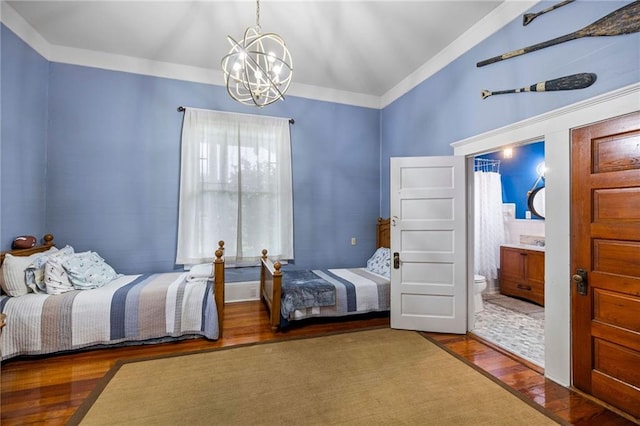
column 129, row 309
column 296, row 295
column 151, row 308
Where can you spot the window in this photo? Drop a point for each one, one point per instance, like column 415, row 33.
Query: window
column 235, row 186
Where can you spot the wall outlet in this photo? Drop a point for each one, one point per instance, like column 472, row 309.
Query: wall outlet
column 353, row 241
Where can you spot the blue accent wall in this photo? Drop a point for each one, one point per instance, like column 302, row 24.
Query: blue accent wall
column 93, row 155
column 23, row 135
column 518, row 174
column 447, row 107
column 114, row 158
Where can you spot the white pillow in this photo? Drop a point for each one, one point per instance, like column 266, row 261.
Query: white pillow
column 13, row 282
column 34, row 274
column 380, row 262
column 200, row 271
column 88, row 270
column 56, row 280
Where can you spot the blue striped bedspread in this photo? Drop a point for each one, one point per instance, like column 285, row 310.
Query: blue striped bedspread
column 356, row 290
column 132, row 308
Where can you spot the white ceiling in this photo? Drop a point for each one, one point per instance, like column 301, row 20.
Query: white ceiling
column 364, row 48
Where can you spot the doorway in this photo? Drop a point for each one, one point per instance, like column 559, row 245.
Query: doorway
column 555, row 128
column 509, row 229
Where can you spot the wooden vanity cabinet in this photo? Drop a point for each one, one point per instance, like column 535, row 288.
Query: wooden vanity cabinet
column 522, row 273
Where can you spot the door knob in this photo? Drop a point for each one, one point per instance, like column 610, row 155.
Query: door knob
column 396, row 260
column 580, row 278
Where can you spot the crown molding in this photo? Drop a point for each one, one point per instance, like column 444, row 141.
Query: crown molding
column 499, row 17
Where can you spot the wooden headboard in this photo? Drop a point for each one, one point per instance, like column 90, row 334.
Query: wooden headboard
column 383, row 236
column 47, row 243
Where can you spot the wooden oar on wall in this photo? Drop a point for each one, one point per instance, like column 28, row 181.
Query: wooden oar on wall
column 625, row 20
column 528, row 17
column 569, row 82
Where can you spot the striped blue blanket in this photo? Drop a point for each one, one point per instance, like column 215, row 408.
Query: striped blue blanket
column 356, row 291
column 132, row 308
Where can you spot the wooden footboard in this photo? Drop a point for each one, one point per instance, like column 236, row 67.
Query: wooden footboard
column 218, row 285
column 271, row 288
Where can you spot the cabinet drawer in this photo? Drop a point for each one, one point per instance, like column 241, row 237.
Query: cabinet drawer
column 522, row 290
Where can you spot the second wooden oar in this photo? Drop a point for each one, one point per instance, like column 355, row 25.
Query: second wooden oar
column 569, row 82
column 528, row 17
column 625, row 20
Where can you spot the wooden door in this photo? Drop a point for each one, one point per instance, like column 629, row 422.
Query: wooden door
column 428, row 239
column 605, row 243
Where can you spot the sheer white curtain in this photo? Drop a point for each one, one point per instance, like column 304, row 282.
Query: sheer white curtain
column 236, row 186
column 489, row 223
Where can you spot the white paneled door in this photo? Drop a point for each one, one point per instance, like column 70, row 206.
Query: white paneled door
column 428, row 244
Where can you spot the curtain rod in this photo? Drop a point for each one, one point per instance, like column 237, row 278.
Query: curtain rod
column 182, row 109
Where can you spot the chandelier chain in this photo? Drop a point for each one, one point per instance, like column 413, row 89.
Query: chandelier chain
column 258, row 15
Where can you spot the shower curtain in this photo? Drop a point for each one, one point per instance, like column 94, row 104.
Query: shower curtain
column 489, row 223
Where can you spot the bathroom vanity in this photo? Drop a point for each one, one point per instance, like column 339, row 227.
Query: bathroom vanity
column 522, row 272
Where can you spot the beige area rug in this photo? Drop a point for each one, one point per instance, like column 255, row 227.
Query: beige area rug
column 371, row 377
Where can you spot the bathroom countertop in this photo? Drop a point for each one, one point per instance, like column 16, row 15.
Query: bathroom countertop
column 525, row 246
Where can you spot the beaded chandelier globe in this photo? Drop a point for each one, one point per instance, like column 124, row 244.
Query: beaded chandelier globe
column 258, row 69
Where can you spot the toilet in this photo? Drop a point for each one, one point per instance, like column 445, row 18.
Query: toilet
column 479, row 284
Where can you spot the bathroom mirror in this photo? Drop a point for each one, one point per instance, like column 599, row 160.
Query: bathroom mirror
column 536, row 202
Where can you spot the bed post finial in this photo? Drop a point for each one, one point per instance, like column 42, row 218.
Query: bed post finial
column 48, row 239
column 264, row 253
column 220, row 252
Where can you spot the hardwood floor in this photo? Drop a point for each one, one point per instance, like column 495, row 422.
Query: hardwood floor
column 48, row 390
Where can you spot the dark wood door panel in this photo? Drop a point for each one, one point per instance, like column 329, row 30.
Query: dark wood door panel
column 615, row 392
column 615, row 153
column 616, row 204
column 605, row 242
column 619, row 257
column 615, row 360
column 617, row 309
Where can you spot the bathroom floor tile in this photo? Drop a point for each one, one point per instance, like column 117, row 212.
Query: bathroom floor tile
column 514, row 325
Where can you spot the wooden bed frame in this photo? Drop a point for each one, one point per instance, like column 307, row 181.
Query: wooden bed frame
column 218, row 269
column 271, row 276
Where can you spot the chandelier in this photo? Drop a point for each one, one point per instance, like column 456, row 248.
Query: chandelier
column 258, row 69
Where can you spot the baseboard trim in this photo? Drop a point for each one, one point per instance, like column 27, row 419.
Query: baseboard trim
column 241, row 291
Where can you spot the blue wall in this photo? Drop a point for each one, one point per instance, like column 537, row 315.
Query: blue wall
column 447, row 107
column 93, row 155
column 24, row 86
column 518, row 174
column 112, row 161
